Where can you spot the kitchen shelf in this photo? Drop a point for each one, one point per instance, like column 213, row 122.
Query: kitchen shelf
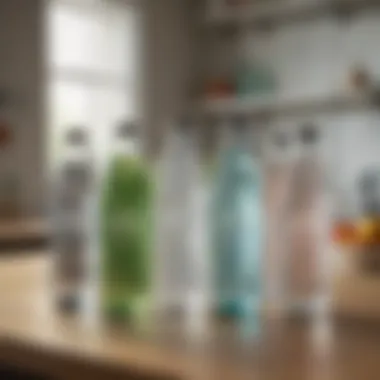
column 272, row 106
column 274, row 12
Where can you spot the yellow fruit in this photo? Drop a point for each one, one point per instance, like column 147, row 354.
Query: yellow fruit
column 367, row 228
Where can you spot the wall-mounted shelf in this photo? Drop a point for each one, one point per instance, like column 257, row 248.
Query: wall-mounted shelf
column 271, row 106
column 275, row 12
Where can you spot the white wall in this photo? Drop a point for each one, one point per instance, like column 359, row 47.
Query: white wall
column 21, row 62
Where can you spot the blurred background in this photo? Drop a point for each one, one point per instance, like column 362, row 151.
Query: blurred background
column 250, row 175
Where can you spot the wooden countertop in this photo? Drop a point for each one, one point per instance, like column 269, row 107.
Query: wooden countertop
column 36, row 339
column 23, row 228
column 21, row 234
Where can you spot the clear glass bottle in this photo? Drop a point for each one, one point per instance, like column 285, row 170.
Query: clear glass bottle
column 71, row 197
column 181, row 257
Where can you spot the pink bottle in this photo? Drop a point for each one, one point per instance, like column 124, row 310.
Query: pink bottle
column 306, row 227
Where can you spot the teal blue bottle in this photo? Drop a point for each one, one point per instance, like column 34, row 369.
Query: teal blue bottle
column 237, row 228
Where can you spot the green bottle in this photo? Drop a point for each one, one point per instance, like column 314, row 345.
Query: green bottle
column 126, row 229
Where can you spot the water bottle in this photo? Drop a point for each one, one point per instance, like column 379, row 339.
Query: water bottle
column 126, row 231
column 306, row 228
column 73, row 183
column 280, row 152
column 181, row 268
column 237, row 228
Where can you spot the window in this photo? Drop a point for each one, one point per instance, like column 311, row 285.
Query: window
column 92, row 62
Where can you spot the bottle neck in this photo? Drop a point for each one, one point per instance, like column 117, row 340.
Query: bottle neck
column 246, row 138
column 77, row 153
column 309, row 150
column 128, row 148
column 230, row 137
